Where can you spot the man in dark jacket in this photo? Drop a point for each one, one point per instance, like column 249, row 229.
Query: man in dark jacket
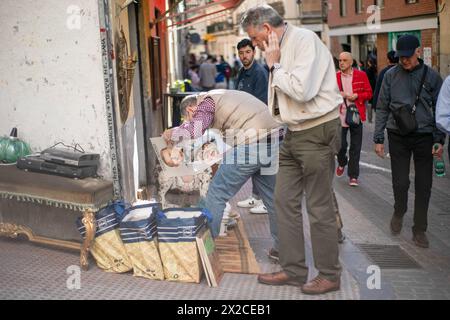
column 393, row 60
column 252, row 78
column 371, row 72
column 400, row 87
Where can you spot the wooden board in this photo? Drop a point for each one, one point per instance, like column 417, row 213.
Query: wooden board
column 235, row 253
column 210, row 259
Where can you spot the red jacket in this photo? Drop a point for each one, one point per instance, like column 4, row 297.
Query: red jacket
column 361, row 86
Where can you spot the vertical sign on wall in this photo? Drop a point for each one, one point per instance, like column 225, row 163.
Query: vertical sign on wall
column 107, row 77
column 427, row 56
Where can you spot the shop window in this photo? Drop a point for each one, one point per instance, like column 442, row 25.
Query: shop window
column 155, row 71
column 343, row 7
column 358, row 6
column 379, row 3
column 393, row 37
column 154, row 48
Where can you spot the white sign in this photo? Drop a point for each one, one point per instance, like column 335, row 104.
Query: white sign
column 427, row 56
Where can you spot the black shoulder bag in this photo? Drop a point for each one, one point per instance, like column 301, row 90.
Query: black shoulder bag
column 352, row 117
column 405, row 115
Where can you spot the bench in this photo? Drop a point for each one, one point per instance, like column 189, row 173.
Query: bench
column 45, row 208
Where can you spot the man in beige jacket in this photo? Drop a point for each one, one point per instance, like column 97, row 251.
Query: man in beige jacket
column 303, row 94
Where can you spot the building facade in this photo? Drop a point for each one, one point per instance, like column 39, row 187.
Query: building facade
column 313, row 15
column 373, row 26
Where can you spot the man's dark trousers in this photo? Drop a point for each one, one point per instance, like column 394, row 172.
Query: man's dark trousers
column 356, row 135
column 401, row 148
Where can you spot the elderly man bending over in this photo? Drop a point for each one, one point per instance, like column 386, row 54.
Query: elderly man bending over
column 248, row 126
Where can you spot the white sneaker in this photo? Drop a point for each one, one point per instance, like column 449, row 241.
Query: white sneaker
column 226, row 224
column 259, row 209
column 249, row 203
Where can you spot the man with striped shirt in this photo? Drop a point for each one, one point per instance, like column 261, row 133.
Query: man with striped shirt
column 247, row 125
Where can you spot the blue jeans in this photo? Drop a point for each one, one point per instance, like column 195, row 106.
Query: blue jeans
column 258, row 161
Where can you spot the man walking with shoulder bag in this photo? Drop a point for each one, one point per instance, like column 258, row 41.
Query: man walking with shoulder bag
column 406, row 107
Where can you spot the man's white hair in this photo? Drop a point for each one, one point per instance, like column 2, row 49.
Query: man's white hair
column 186, row 102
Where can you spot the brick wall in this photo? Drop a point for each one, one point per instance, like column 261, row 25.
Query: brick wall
column 382, row 50
column 335, row 46
column 311, row 5
column 429, row 40
column 393, row 9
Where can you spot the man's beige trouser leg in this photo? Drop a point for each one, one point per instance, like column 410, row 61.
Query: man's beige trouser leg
column 306, row 166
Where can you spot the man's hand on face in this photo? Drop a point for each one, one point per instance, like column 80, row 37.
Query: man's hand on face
column 272, row 50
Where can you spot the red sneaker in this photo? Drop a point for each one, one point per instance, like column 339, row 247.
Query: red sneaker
column 353, row 182
column 339, row 171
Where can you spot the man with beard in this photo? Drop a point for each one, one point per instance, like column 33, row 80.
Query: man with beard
column 252, row 77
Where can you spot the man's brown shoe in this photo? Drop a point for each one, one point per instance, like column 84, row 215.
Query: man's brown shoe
column 420, row 239
column 321, row 285
column 279, row 278
column 396, row 225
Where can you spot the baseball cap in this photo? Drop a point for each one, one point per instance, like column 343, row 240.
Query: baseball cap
column 406, row 45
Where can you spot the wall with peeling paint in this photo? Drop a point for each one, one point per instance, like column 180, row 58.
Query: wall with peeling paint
column 51, row 82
